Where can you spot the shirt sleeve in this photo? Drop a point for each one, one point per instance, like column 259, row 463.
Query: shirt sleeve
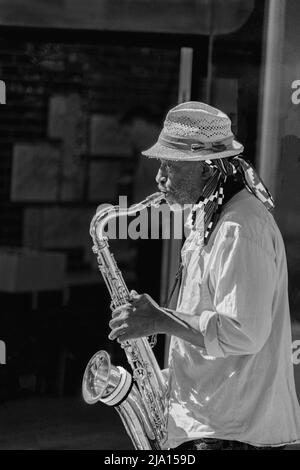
column 236, row 313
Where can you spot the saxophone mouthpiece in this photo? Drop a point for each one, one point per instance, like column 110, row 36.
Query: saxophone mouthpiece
column 156, row 199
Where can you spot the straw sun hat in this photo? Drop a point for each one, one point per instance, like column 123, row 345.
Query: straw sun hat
column 195, row 131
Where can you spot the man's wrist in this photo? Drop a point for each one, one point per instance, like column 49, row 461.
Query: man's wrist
column 181, row 325
column 168, row 321
column 161, row 320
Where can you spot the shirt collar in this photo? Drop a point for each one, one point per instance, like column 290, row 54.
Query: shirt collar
column 198, row 209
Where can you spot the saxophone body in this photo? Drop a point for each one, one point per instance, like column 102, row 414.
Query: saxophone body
column 139, row 398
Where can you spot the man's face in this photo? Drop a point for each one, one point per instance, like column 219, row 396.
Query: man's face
column 182, row 182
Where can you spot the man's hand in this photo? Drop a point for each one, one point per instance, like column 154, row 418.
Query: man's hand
column 139, row 318
column 144, row 317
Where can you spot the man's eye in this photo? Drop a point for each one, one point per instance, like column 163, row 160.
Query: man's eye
column 171, row 166
column 164, row 167
column 168, row 167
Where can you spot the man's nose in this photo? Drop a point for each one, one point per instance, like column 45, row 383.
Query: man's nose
column 160, row 178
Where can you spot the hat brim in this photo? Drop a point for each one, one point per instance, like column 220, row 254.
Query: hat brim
column 166, row 153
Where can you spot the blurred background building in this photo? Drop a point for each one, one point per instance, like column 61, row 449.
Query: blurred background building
column 87, row 86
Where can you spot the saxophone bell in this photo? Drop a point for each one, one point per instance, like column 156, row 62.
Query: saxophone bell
column 104, row 382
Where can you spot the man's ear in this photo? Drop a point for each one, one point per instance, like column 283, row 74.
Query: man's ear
column 207, row 171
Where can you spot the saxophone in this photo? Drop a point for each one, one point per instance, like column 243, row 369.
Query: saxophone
column 139, row 398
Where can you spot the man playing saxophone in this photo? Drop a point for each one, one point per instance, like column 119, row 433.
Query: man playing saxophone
column 230, row 374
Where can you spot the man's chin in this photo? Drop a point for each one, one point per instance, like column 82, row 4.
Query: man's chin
column 174, row 205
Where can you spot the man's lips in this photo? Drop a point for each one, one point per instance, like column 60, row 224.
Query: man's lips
column 164, row 191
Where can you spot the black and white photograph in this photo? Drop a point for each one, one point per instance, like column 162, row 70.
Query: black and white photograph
column 149, row 227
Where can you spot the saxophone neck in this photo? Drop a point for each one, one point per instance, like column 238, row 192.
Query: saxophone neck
column 103, row 216
column 153, row 200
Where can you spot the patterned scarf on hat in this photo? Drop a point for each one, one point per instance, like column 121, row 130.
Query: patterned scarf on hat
column 211, row 200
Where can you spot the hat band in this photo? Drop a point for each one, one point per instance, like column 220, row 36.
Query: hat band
column 181, row 143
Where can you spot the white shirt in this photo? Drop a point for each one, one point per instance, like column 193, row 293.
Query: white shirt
column 242, row 386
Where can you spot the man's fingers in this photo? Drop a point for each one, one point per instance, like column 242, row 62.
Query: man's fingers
column 117, row 311
column 122, row 338
column 115, row 333
column 134, row 296
column 133, row 293
column 137, row 299
column 117, row 321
